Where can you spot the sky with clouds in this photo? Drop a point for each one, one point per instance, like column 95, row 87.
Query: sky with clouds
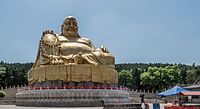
column 142, row 31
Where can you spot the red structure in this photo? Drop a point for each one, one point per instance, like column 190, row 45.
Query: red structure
column 182, row 101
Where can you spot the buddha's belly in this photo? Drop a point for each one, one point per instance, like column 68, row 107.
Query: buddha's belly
column 69, row 48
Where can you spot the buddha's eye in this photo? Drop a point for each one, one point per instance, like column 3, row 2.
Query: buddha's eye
column 74, row 23
column 67, row 22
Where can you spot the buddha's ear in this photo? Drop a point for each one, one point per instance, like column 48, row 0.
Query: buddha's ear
column 62, row 26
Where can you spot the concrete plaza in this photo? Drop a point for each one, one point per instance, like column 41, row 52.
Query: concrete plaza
column 21, row 107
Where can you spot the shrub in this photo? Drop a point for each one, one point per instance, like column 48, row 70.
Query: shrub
column 2, row 94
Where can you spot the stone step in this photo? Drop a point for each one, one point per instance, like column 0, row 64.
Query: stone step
column 8, row 101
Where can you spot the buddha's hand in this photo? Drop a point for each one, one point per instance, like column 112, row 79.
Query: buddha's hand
column 103, row 49
column 78, row 59
column 48, row 32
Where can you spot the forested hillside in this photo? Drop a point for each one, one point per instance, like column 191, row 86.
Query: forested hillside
column 142, row 76
column 13, row 74
column 156, row 76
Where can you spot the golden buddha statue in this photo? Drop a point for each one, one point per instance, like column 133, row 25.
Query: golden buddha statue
column 60, row 56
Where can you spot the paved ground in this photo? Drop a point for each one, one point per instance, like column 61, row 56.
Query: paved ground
column 151, row 105
column 20, row 107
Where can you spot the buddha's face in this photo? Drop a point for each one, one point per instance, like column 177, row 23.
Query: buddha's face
column 70, row 27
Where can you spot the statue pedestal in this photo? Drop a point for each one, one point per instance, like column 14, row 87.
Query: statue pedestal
column 70, row 97
column 73, row 73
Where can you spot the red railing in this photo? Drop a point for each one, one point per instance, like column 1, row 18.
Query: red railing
column 77, row 87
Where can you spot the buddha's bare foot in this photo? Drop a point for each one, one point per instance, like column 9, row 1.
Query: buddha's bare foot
column 103, row 49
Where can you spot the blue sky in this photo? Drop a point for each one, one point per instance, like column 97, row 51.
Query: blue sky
column 143, row 31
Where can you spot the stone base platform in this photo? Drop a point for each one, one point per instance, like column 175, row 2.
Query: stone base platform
column 122, row 106
column 71, row 97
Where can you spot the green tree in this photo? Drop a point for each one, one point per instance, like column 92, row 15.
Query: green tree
column 2, row 76
column 125, row 78
column 160, row 78
column 13, row 73
column 191, row 76
column 136, row 78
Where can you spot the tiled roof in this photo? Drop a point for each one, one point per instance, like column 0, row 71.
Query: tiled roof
column 190, row 93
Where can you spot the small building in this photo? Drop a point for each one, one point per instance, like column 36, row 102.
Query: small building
column 195, row 86
column 187, row 100
column 190, row 97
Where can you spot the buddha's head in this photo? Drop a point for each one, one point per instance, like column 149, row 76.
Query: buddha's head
column 70, row 27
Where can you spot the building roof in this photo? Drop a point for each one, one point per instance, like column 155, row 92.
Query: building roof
column 190, row 93
column 195, row 85
column 198, row 79
column 192, row 86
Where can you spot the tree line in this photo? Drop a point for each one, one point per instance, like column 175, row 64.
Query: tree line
column 13, row 74
column 156, row 76
column 140, row 76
